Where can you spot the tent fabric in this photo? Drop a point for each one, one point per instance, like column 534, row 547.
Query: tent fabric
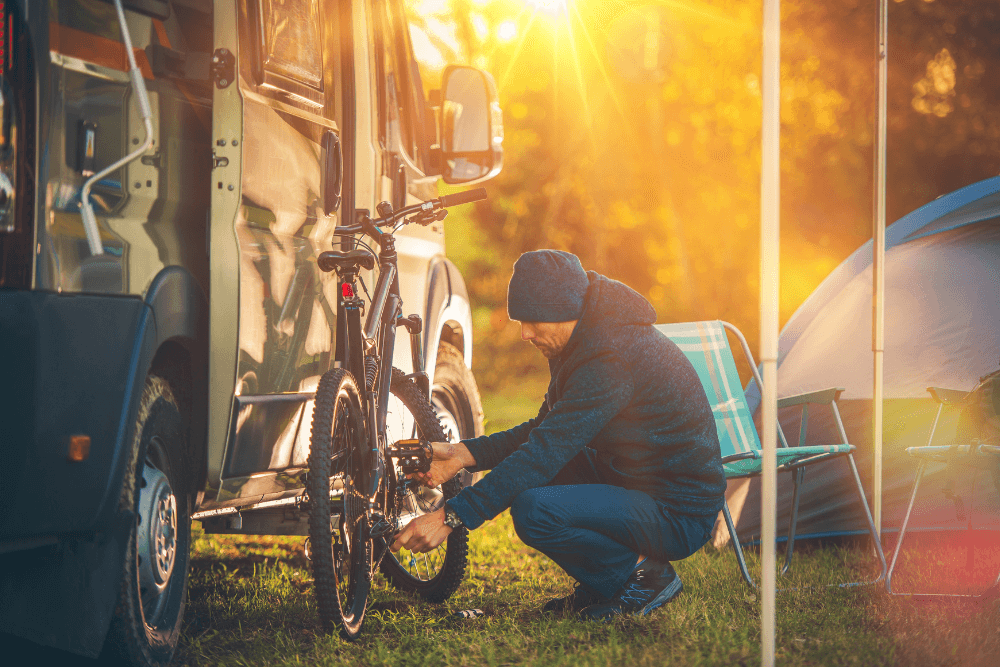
column 942, row 314
column 916, row 223
column 941, row 303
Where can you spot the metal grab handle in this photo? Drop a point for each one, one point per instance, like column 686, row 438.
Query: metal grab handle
column 139, row 87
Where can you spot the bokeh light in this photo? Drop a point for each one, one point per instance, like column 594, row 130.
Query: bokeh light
column 507, row 31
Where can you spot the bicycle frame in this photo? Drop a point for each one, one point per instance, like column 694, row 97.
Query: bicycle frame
column 368, row 355
column 367, row 352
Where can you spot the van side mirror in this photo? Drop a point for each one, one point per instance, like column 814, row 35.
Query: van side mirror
column 471, row 126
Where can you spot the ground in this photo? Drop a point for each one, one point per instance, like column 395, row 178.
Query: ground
column 251, row 603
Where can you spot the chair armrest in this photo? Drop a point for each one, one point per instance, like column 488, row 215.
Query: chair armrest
column 947, row 396
column 740, row 457
column 821, row 397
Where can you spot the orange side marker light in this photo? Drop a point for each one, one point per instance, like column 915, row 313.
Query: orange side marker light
column 79, row 447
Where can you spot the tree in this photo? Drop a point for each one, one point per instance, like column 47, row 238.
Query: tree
column 633, row 140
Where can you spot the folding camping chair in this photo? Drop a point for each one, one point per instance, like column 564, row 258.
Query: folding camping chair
column 706, row 346
column 972, row 455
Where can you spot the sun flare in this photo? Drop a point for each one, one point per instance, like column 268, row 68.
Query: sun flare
column 549, row 6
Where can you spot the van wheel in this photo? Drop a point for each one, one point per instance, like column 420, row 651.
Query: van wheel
column 455, row 397
column 147, row 619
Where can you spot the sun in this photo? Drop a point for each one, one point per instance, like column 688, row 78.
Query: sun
column 553, row 7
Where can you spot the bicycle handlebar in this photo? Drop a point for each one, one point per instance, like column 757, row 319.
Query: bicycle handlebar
column 427, row 207
column 466, row 197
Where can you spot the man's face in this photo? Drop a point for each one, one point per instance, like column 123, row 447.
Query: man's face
column 549, row 337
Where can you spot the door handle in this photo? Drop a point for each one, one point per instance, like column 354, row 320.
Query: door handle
column 398, row 175
column 333, row 171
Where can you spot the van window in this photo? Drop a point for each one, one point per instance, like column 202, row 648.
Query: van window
column 293, row 40
column 400, row 95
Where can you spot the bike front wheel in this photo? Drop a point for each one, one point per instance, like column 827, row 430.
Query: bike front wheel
column 437, row 574
column 339, row 531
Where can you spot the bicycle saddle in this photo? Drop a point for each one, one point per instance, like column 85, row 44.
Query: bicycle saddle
column 352, row 259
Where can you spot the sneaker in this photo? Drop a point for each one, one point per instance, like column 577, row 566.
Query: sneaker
column 580, row 598
column 650, row 585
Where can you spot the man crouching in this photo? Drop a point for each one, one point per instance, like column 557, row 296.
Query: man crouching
column 620, row 473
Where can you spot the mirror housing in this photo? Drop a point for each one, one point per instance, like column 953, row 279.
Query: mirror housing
column 471, row 123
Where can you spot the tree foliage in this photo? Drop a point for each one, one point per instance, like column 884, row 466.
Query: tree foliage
column 633, row 139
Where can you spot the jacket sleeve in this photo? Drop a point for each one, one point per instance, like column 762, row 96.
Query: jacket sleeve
column 489, row 450
column 595, row 392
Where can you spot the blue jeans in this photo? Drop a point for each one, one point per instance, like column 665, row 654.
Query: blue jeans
column 596, row 532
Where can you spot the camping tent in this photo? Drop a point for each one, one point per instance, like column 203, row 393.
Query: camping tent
column 942, row 314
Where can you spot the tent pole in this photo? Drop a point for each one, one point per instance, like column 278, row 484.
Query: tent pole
column 770, row 202
column 878, row 268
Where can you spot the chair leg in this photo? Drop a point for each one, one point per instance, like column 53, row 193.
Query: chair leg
column 736, row 545
column 868, row 516
column 970, row 552
column 902, row 530
column 800, row 474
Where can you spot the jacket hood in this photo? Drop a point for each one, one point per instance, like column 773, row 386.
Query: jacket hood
column 609, row 305
column 610, row 302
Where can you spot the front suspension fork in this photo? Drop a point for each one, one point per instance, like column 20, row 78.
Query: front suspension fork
column 414, row 326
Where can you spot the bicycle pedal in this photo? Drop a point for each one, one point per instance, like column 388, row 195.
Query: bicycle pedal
column 413, row 455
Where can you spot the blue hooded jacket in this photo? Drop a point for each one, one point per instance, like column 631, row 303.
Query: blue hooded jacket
column 622, row 389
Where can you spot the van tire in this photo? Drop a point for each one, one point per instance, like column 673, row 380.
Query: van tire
column 456, row 399
column 146, row 626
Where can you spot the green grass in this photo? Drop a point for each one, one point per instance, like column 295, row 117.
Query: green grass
column 515, row 403
column 251, row 603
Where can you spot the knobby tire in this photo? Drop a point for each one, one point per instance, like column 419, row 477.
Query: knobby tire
column 446, row 581
column 342, row 580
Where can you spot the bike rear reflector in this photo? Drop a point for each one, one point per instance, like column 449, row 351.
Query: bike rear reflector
column 346, row 290
column 79, row 447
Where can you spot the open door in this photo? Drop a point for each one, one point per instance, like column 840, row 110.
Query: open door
column 279, row 166
column 224, row 283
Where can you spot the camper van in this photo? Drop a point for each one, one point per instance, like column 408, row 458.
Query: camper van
column 169, row 172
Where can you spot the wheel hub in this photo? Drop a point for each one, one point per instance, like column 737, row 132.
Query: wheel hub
column 156, row 540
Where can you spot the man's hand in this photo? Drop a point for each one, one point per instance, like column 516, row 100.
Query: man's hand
column 423, row 534
column 449, row 458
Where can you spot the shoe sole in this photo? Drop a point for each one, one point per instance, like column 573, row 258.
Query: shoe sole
column 665, row 596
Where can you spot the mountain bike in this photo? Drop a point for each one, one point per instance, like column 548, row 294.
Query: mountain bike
column 359, row 497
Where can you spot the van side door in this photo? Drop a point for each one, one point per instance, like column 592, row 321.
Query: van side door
column 289, row 79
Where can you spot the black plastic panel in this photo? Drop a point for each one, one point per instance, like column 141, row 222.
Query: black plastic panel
column 68, row 370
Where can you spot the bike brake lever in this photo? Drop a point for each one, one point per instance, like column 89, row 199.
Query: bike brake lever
column 427, row 217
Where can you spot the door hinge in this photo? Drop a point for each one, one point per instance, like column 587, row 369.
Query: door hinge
column 223, row 67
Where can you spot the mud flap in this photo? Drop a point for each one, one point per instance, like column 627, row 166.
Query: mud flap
column 64, row 596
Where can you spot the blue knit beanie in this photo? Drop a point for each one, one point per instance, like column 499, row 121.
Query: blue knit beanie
column 547, row 286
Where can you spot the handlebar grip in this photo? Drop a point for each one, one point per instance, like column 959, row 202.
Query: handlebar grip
column 463, row 197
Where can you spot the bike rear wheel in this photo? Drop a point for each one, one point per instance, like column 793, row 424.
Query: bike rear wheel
column 437, row 574
column 339, row 537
